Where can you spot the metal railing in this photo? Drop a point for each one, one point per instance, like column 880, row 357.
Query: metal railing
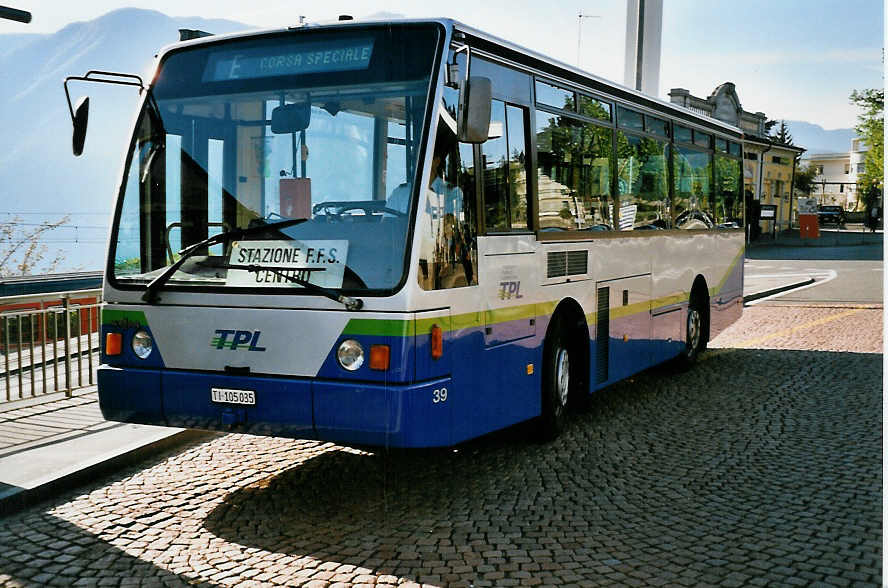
column 49, row 343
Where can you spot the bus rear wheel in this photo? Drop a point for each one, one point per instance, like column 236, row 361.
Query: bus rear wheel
column 695, row 339
column 556, row 384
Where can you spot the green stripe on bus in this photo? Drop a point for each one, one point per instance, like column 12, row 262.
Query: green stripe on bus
column 379, row 327
column 112, row 316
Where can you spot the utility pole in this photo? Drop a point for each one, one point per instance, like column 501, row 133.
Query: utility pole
column 580, row 18
column 15, row 14
column 644, row 28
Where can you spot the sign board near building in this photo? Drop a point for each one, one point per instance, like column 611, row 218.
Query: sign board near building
column 768, row 212
column 807, row 205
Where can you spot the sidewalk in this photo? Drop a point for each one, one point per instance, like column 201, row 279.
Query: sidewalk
column 52, row 443
column 830, row 237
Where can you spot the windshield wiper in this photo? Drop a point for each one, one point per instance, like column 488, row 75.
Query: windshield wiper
column 349, row 302
column 150, row 295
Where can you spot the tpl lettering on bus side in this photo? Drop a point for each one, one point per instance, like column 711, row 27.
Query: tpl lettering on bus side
column 509, row 290
column 248, row 340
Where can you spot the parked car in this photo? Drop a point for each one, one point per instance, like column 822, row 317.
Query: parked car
column 830, row 214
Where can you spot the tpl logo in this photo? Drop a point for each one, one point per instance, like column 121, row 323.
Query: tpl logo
column 509, row 290
column 234, row 340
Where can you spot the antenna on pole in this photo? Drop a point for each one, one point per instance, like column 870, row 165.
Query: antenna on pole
column 580, row 17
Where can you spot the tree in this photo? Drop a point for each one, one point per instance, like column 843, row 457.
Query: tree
column 804, row 178
column 769, row 124
column 22, row 249
column 782, row 135
column 871, row 128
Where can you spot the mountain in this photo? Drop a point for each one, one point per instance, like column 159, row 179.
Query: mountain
column 816, row 139
column 39, row 177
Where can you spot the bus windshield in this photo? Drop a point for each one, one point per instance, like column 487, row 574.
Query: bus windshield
column 322, row 127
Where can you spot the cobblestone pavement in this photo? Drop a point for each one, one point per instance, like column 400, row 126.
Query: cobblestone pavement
column 760, row 466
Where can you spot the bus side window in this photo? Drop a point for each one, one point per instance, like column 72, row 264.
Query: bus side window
column 505, row 170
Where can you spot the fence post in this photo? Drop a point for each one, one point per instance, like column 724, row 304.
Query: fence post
column 66, row 303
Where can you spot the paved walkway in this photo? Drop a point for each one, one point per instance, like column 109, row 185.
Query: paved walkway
column 53, row 441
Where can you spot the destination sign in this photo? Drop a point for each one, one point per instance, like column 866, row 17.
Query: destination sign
column 321, row 262
column 287, row 60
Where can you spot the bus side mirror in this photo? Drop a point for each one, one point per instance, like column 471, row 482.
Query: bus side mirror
column 473, row 123
column 81, row 117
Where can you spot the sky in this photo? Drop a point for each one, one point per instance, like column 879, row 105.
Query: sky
column 791, row 59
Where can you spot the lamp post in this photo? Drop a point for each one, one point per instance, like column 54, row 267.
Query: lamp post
column 580, row 18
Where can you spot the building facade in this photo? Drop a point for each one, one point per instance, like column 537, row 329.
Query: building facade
column 768, row 165
column 837, row 175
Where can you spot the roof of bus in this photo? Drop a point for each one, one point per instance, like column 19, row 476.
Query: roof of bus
column 580, row 77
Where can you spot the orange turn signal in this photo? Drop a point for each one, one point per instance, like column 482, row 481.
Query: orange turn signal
column 437, row 342
column 113, row 343
column 379, row 357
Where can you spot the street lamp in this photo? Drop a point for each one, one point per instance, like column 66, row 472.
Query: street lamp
column 580, row 18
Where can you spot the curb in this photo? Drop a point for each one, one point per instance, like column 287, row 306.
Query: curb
column 772, row 291
column 14, row 499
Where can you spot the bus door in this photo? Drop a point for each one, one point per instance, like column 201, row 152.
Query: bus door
column 507, row 254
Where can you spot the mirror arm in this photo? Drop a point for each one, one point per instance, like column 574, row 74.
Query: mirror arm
column 122, row 79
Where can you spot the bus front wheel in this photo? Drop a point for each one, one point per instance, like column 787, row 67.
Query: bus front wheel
column 556, row 384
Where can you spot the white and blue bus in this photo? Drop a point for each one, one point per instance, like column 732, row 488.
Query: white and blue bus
column 405, row 234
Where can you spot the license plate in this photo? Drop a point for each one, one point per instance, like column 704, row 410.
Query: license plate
column 231, row 396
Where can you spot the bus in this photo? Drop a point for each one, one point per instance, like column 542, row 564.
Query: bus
column 404, row 233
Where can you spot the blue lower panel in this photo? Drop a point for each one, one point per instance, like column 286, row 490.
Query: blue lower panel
column 342, row 412
column 283, row 406
column 390, row 416
column 130, row 395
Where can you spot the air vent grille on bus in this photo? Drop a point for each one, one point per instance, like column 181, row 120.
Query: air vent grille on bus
column 566, row 263
column 577, row 262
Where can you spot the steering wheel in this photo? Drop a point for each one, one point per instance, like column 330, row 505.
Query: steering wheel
column 369, row 208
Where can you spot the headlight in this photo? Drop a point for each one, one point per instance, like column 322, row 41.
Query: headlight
column 142, row 344
column 350, row 355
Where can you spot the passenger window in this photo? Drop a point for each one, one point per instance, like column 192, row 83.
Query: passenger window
column 447, row 221
column 683, row 134
column 693, row 189
column 642, row 202
column 505, row 170
column 555, row 97
column 574, row 174
column 629, row 119
column 517, row 144
column 728, row 206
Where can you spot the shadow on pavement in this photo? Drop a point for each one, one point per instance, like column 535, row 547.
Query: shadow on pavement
column 666, row 472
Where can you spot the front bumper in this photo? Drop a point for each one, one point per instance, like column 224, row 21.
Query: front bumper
column 363, row 413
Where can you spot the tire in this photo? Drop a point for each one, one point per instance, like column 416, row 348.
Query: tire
column 695, row 335
column 556, row 384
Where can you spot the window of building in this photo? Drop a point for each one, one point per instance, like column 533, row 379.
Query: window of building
column 751, row 156
column 861, row 168
column 847, row 168
column 778, row 159
column 735, row 149
column 721, row 145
